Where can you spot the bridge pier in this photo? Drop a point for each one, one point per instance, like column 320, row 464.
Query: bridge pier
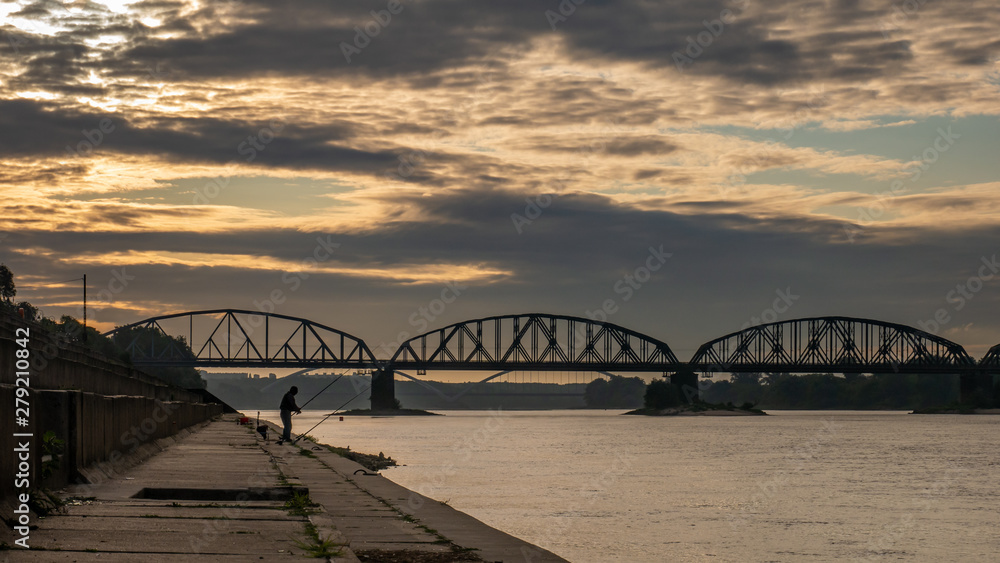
column 686, row 381
column 383, row 395
column 976, row 389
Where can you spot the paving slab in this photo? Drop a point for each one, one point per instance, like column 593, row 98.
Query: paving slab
column 90, row 557
column 106, row 522
column 109, row 521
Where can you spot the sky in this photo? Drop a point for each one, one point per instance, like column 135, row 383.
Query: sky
column 681, row 168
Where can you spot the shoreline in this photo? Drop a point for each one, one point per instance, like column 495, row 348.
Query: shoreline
column 386, row 412
column 454, row 530
column 956, row 410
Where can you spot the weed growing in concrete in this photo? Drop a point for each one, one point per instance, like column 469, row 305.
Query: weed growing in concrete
column 300, row 505
column 319, row 548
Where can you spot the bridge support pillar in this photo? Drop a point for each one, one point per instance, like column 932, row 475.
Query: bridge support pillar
column 383, row 389
column 686, row 382
column 976, row 389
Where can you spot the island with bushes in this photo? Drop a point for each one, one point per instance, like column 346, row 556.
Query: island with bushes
column 663, row 398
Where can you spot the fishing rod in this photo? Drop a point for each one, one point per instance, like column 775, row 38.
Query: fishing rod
column 331, row 414
column 321, row 391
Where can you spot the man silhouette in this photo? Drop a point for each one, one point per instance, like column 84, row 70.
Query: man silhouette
column 287, row 406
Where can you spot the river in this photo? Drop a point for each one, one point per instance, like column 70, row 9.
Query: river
column 593, row 486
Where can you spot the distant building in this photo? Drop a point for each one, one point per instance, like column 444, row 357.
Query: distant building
column 207, row 376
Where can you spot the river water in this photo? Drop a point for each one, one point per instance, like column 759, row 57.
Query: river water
column 593, row 486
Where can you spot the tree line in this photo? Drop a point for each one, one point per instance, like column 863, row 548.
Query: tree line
column 70, row 329
column 888, row 391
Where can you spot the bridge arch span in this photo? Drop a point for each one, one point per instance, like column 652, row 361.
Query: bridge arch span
column 831, row 344
column 243, row 338
column 991, row 361
column 535, row 341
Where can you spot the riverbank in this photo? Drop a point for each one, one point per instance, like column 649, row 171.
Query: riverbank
column 221, row 494
column 955, row 409
column 387, row 412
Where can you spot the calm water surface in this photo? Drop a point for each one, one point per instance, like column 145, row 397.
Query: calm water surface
column 593, row 486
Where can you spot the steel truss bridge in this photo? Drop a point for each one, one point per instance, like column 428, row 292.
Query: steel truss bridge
column 544, row 342
column 242, row 338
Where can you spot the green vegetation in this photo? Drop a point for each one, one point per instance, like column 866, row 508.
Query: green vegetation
column 661, row 394
column 68, row 329
column 300, row 505
column 154, row 339
column 615, row 393
column 318, row 548
column 7, row 288
column 52, row 447
column 664, row 398
column 44, row 502
column 368, row 461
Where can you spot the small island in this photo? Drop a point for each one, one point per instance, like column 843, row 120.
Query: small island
column 701, row 409
column 663, row 398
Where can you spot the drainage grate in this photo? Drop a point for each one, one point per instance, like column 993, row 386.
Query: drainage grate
column 255, row 493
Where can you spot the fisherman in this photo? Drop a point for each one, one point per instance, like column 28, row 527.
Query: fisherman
column 287, row 407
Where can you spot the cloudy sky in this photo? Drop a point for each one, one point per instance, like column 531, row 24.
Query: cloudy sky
column 693, row 166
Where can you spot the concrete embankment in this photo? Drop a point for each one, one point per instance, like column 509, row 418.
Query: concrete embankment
column 103, row 415
column 221, row 494
column 384, row 517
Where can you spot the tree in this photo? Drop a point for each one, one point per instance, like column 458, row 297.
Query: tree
column 30, row 311
column 596, row 393
column 155, row 343
column 615, row 393
column 7, row 288
column 661, row 394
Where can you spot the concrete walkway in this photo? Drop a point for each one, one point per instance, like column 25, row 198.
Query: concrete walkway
column 219, row 494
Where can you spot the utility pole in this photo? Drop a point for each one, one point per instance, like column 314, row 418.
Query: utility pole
column 84, row 307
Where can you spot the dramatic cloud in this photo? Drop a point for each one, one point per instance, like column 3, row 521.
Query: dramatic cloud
column 534, row 153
